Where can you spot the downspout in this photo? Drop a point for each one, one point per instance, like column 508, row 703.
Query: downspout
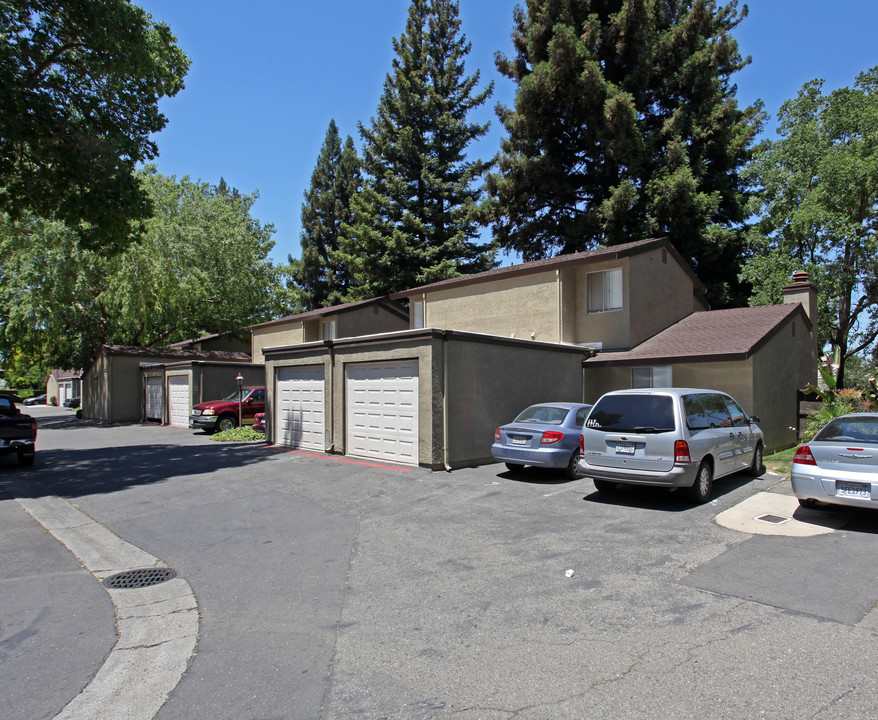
column 331, row 447
column 445, row 401
column 560, row 307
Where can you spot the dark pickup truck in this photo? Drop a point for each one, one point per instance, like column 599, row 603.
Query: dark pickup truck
column 18, row 432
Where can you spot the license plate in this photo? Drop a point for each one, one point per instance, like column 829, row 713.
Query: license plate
column 518, row 440
column 849, row 489
column 624, row 448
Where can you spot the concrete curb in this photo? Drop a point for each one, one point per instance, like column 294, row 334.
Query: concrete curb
column 157, row 626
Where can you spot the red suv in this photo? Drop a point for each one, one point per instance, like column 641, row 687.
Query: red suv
column 223, row 414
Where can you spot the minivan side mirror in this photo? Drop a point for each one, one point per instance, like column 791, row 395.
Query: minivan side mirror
column 754, row 419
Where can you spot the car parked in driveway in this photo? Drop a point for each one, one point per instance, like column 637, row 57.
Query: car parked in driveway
column 35, row 400
column 72, row 402
column 669, row 437
column 544, row 435
column 218, row 415
column 840, row 465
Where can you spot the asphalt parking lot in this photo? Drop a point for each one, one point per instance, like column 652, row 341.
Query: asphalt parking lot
column 333, row 589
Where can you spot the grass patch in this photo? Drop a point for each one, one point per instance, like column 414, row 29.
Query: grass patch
column 780, row 462
column 239, row 434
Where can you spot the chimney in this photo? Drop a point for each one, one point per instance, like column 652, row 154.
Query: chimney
column 802, row 291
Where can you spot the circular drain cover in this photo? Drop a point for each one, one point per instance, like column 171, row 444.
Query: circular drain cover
column 144, row 577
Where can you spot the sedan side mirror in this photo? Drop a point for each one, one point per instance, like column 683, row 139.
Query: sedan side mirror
column 754, row 419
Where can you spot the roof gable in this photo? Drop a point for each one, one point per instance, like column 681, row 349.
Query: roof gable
column 386, row 303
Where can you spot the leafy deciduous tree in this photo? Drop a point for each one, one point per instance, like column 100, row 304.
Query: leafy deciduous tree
column 80, row 82
column 201, row 266
column 416, row 219
column 818, row 204
column 625, row 125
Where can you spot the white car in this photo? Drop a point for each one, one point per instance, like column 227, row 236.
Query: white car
column 669, row 437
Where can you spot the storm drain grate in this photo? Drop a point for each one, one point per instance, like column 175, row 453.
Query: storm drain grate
column 143, row 577
column 773, row 519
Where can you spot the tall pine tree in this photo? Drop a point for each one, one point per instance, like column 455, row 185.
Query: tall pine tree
column 626, row 126
column 322, row 273
column 416, row 219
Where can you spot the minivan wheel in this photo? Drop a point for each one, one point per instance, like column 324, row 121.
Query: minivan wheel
column 703, row 485
column 25, row 459
column 756, row 467
column 572, row 470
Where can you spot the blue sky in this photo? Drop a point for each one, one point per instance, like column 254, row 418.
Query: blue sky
column 267, row 77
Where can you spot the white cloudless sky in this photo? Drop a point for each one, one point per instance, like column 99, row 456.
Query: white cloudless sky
column 267, row 76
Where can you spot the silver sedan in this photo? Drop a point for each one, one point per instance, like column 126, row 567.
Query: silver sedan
column 840, row 465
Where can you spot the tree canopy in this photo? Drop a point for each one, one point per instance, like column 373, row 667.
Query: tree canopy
column 818, row 204
column 416, row 218
column 625, row 125
column 322, row 273
column 80, row 82
column 201, row 266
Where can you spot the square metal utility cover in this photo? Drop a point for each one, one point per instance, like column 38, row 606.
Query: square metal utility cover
column 773, row 519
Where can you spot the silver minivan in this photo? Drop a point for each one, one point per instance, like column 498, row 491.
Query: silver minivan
column 669, row 437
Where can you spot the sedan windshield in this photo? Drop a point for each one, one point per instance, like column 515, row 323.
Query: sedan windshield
column 542, row 415
column 851, row 429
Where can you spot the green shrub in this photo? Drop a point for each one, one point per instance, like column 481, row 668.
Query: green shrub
column 239, row 434
column 840, row 402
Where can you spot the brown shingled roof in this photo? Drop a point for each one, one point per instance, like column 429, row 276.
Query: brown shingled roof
column 709, row 335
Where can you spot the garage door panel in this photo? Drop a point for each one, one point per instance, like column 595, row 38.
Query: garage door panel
column 300, row 418
column 382, row 411
column 178, row 401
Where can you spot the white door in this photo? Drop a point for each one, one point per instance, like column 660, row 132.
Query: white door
column 178, row 400
column 153, row 398
column 382, row 411
column 299, row 419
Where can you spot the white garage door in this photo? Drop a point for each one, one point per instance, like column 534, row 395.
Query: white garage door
column 299, row 418
column 63, row 393
column 178, row 400
column 382, row 411
column 153, row 398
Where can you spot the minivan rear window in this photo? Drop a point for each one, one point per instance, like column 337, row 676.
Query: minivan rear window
column 633, row 413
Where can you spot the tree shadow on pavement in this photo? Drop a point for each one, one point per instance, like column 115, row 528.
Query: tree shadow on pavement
column 76, row 473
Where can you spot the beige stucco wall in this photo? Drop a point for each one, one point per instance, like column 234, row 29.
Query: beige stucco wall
column 492, row 382
column 786, row 364
column 524, row 307
column 274, row 336
column 369, row 320
column 660, row 293
column 610, row 330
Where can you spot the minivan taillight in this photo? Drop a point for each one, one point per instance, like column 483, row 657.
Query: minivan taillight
column 804, row 456
column 550, row 436
column 497, row 435
column 681, row 452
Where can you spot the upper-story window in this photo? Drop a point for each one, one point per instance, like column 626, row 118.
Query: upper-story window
column 417, row 314
column 650, row 377
column 604, row 290
column 329, row 330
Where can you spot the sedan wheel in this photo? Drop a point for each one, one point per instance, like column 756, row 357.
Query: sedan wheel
column 514, row 467
column 604, row 486
column 572, row 471
column 703, row 485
